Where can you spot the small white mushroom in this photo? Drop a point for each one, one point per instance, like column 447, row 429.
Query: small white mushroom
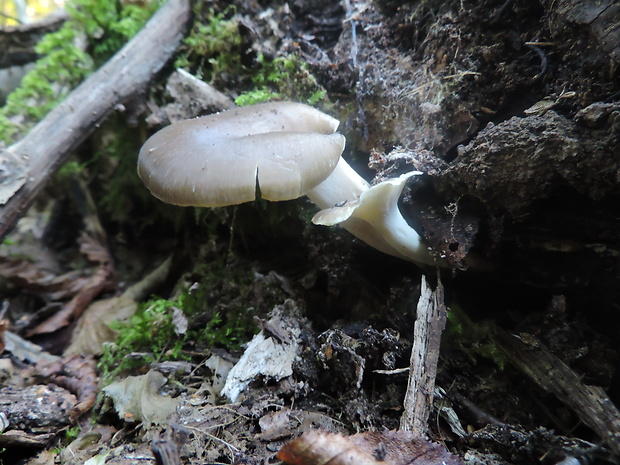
column 283, row 150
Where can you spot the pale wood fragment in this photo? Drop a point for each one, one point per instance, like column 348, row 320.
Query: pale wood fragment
column 430, row 323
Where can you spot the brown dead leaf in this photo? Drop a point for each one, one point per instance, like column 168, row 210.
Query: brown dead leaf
column 370, row 448
column 73, row 309
column 93, row 327
column 138, row 399
column 286, row 423
column 27, row 275
column 101, row 279
column 94, row 250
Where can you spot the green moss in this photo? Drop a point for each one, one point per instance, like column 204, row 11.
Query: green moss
column 150, row 334
column 216, row 52
column 212, row 325
column 472, row 339
column 120, row 193
column 96, row 29
column 282, row 78
column 212, row 49
column 72, row 433
column 109, row 24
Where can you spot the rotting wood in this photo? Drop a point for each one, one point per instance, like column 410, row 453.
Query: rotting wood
column 591, row 404
column 49, row 143
column 190, row 97
column 600, row 18
column 430, row 323
column 34, row 414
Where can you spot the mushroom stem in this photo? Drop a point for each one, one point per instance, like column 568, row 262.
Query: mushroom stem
column 376, row 219
column 342, row 185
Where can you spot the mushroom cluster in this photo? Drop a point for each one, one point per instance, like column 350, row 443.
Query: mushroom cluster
column 282, row 151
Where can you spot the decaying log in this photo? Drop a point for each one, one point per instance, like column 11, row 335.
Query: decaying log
column 49, row 143
column 515, row 164
column 191, row 97
column 34, row 414
column 430, row 323
column 601, row 19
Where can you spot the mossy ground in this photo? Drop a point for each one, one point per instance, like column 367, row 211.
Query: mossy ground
column 154, row 333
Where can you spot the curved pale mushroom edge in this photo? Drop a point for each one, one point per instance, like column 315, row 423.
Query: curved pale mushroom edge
column 375, row 218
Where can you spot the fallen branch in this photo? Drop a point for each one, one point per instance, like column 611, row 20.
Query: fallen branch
column 49, row 143
column 591, row 404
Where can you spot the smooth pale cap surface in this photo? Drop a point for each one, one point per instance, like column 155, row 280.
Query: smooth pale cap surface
column 216, row 160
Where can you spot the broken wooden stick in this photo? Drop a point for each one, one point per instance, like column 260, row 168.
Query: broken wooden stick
column 430, row 323
column 50, row 142
column 591, row 404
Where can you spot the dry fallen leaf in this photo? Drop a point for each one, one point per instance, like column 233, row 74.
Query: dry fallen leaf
column 286, row 423
column 137, row 398
column 93, row 327
column 370, row 448
column 101, row 279
column 23, row 273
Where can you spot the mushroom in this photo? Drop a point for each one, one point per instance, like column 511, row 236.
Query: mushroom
column 375, row 218
column 282, row 150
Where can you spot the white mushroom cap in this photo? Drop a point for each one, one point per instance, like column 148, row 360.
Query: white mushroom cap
column 282, row 149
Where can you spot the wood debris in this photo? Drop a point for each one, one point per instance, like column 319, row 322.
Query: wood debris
column 430, row 323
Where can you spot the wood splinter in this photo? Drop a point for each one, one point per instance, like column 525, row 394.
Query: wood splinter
column 430, row 323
